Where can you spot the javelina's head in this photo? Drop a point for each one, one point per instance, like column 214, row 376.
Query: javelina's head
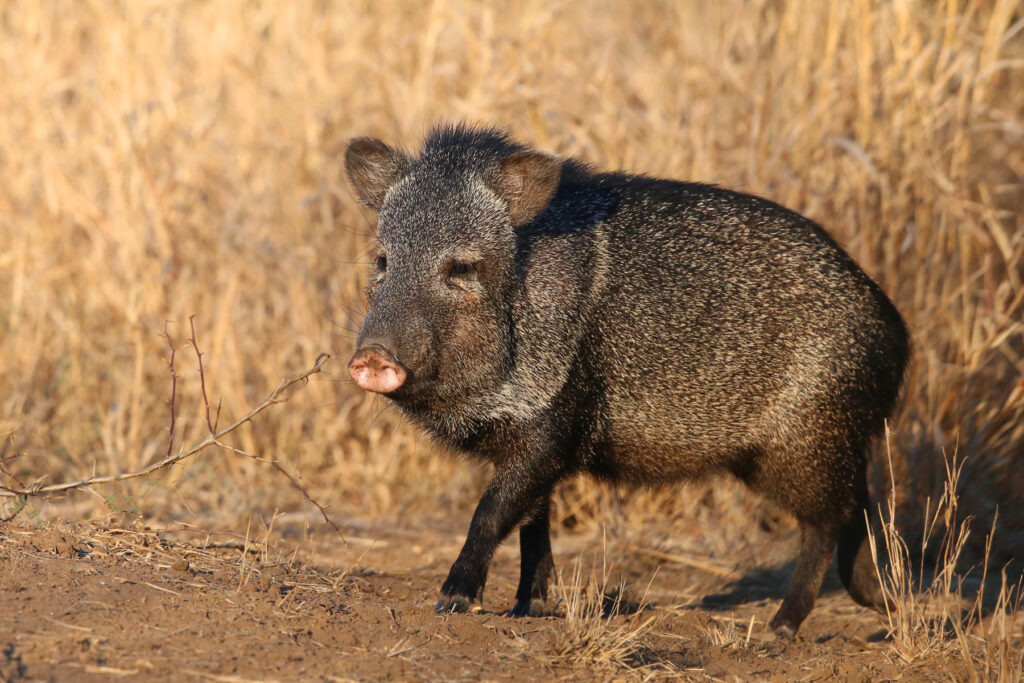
column 438, row 330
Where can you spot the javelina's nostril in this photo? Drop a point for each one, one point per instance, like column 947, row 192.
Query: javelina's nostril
column 375, row 369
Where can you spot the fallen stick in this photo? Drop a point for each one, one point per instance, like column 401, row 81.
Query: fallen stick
column 212, row 440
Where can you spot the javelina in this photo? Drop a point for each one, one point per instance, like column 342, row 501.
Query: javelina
column 553, row 320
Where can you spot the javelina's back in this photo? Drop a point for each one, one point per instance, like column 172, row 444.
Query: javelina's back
column 758, row 335
column 554, row 321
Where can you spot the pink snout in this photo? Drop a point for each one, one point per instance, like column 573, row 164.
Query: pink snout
column 375, row 369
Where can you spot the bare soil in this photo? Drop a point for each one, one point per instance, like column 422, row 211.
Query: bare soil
column 86, row 602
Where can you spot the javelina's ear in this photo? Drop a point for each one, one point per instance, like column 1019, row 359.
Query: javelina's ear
column 373, row 167
column 527, row 181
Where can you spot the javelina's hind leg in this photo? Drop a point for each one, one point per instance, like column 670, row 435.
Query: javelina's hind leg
column 816, row 546
column 535, row 560
column 855, row 561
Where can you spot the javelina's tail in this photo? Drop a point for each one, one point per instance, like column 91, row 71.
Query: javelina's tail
column 856, row 563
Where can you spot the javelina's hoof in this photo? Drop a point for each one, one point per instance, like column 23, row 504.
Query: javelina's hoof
column 520, row 609
column 783, row 630
column 452, row 603
column 535, row 607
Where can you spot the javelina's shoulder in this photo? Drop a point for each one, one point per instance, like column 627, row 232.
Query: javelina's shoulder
column 706, row 198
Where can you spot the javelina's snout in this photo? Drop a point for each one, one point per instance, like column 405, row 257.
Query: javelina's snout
column 376, row 369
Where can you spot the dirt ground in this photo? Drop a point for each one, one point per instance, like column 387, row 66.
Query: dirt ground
column 87, row 602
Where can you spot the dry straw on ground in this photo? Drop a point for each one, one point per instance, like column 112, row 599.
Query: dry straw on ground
column 928, row 610
column 161, row 158
column 595, row 635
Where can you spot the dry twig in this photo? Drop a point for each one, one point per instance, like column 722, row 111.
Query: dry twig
column 212, row 427
column 174, row 389
column 212, row 440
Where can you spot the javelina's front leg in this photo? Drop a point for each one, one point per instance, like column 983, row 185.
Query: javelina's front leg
column 511, row 495
column 535, row 559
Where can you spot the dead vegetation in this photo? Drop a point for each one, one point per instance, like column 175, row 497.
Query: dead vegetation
column 164, row 158
column 601, row 629
column 946, row 607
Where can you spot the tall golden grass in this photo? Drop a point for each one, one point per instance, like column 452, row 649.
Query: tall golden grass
column 161, row 158
column 926, row 607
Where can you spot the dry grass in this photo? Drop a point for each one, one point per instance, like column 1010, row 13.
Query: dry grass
column 728, row 634
column 162, row 158
column 927, row 610
column 601, row 630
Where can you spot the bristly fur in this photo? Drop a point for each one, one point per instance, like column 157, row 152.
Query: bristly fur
column 456, row 148
column 628, row 327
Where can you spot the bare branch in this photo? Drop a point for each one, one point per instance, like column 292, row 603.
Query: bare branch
column 174, row 390
column 239, row 451
column 13, row 456
column 202, row 374
column 213, row 429
column 296, row 484
column 212, row 440
column 22, row 500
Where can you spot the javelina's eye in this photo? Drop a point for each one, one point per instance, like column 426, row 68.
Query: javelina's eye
column 461, row 269
column 382, row 262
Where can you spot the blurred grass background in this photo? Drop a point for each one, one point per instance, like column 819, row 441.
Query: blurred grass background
column 160, row 158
